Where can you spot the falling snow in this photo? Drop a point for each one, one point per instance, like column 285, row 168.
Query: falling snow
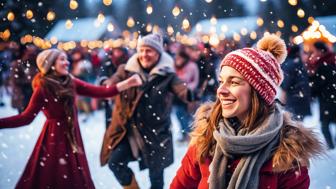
column 62, row 161
column 322, row 171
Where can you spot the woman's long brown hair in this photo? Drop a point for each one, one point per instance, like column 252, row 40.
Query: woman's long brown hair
column 62, row 89
column 205, row 142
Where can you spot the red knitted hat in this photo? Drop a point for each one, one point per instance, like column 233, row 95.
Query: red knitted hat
column 260, row 66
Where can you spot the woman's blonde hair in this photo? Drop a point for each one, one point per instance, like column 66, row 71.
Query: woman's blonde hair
column 205, row 142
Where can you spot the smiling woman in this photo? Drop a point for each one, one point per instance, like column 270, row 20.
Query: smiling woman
column 61, row 66
column 245, row 139
column 58, row 159
column 233, row 93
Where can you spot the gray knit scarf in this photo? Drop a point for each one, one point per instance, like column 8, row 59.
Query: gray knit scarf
column 254, row 147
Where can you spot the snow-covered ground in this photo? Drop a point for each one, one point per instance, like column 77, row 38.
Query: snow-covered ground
column 17, row 144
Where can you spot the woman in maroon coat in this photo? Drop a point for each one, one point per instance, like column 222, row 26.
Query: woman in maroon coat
column 245, row 139
column 58, row 159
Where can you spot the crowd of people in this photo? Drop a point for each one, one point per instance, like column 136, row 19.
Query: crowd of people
column 240, row 132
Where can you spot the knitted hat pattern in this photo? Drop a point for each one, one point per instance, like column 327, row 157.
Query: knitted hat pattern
column 46, row 59
column 153, row 40
column 260, row 66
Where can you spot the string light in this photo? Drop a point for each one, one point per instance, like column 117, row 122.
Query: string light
column 300, row 13
column 224, row 28
column 315, row 31
column 176, row 11
column 198, row 27
column 156, row 29
column 5, row 35
column 310, row 19
column 110, row 27
column 170, row 30
column 101, row 17
column 280, row 23
column 29, row 14
column 73, row 5
column 205, row 39
column 68, row 24
column 185, row 24
column 213, row 20
column 107, row 2
column 10, row 16
column 292, row 2
column 149, row 9
column 243, row 31
column 294, row 28
column 260, row 21
column 51, row 16
column 298, row 39
column 53, row 40
column 149, row 27
column 253, row 35
column 130, row 22
column 28, row 38
column 236, row 37
column 84, row 43
column 214, row 41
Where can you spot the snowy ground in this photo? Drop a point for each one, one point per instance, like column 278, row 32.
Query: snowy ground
column 17, row 144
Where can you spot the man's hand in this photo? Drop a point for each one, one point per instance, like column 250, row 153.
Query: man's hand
column 107, row 82
column 134, row 80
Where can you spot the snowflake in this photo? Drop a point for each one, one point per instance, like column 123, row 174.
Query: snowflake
column 4, row 155
column 4, row 145
column 62, row 161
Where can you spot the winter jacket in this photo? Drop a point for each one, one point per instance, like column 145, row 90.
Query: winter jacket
column 53, row 164
column 324, row 86
column 296, row 86
column 189, row 74
column 22, row 74
column 146, row 110
column 278, row 172
column 207, row 74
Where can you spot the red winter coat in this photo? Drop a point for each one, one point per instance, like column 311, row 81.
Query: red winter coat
column 193, row 174
column 297, row 145
column 52, row 163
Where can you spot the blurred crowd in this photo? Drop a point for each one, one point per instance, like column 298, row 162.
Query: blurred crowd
column 309, row 76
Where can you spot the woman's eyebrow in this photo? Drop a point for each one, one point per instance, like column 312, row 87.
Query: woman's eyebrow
column 237, row 77
column 231, row 77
